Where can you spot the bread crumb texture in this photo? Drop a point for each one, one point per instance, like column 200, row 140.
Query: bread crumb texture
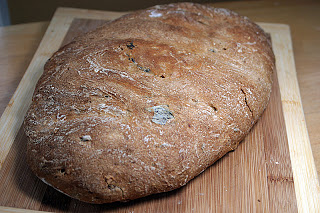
column 148, row 101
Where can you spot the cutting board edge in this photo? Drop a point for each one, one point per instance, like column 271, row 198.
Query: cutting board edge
column 303, row 165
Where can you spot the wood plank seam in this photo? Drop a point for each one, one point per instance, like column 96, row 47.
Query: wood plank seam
column 304, row 170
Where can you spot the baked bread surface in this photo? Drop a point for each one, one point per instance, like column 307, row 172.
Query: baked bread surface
column 147, row 102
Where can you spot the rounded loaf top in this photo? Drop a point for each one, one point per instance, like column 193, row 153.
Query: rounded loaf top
column 148, row 101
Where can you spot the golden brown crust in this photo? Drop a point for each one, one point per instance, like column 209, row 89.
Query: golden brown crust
column 145, row 103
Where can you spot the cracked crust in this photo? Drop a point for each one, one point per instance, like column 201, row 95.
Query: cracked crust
column 147, row 102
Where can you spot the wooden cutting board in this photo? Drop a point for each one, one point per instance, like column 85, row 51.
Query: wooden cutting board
column 271, row 171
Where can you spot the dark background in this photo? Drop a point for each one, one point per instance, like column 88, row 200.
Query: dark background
column 24, row 11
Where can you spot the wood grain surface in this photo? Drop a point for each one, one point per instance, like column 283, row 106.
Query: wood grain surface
column 257, row 177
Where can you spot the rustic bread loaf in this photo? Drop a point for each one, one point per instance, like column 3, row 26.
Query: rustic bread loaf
column 147, row 102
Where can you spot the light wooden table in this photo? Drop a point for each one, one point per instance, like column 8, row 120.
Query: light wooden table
column 18, row 44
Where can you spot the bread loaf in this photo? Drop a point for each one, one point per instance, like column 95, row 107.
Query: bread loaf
column 148, row 101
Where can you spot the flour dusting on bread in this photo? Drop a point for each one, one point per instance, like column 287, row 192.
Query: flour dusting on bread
column 145, row 103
